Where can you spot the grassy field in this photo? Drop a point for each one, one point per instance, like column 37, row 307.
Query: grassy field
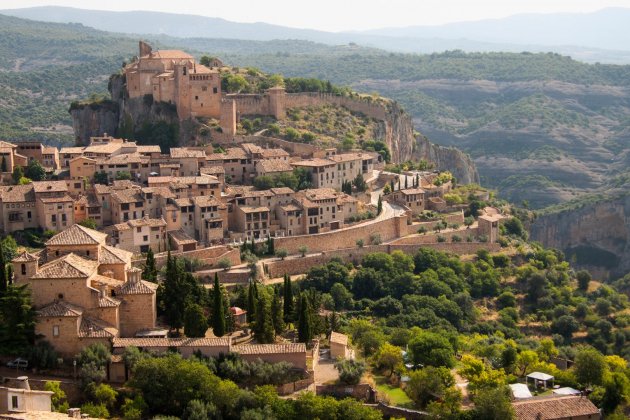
column 395, row 395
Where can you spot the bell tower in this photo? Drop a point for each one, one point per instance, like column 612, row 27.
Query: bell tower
column 24, row 267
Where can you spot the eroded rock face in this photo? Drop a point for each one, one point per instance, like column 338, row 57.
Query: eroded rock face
column 94, row 120
column 398, row 133
column 595, row 236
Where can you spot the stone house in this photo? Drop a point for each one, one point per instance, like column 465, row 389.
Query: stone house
column 338, row 346
column 139, row 235
column 16, row 396
column 48, row 156
column 85, row 291
column 412, row 198
column 9, row 154
column 210, row 219
column 333, row 170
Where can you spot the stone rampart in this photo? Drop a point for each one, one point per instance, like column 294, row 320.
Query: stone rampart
column 367, row 107
column 388, row 229
column 208, row 256
column 301, row 265
column 428, row 238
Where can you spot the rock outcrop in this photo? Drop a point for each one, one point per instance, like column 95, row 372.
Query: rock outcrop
column 595, row 236
column 405, row 144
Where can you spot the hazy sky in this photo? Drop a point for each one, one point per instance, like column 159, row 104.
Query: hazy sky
column 336, row 15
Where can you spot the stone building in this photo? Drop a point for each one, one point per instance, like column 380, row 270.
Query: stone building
column 85, row 291
column 140, row 235
column 174, row 77
column 16, row 396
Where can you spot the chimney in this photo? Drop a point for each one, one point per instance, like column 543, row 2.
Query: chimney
column 103, row 289
column 22, row 383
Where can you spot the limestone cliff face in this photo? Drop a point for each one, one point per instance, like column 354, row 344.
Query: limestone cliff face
column 398, row 132
column 596, row 236
column 94, row 120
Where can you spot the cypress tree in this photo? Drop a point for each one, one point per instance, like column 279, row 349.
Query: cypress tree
column 263, row 327
column 305, row 324
column 392, row 185
column 379, row 208
column 276, row 314
column 417, row 180
column 218, row 315
column 150, row 269
column 229, row 317
column 251, row 303
column 270, row 246
column 4, row 280
column 334, row 321
column 288, row 299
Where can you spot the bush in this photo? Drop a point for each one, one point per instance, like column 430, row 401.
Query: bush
column 375, row 239
column 282, row 253
column 350, row 371
column 43, row 356
column 441, row 238
column 224, row 264
column 456, row 238
column 96, row 411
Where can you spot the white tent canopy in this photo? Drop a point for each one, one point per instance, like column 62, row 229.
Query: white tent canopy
column 540, row 377
column 566, row 391
column 520, row 391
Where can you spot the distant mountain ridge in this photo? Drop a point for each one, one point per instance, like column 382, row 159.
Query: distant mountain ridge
column 600, row 36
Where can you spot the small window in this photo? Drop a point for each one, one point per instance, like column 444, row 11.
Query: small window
column 60, row 295
column 87, row 253
column 14, row 402
column 138, row 229
column 23, row 269
column 214, row 90
column 55, row 330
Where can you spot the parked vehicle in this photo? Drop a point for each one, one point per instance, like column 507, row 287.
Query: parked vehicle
column 18, row 363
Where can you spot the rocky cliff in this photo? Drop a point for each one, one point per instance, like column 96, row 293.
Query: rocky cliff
column 405, row 144
column 595, row 236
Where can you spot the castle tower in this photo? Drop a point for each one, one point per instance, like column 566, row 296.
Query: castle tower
column 24, row 267
column 228, row 117
column 144, row 49
column 277, row 97
column 182, row 90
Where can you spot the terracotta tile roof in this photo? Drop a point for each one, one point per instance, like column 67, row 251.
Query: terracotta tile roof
column 212, row 170
column 282, row 190
column 554, row 408
column 231, row 153
column 25, row 257
column 251, row 148
column 291, row 207
column 314, row 162
column 273, row 153
column 92, row 328
column 105, row 148
column 69, row 266
column 71, row 150
column 60, row 309
column 347, row 157
column 171, row 342
column 253, row 209
column 412, row 191
column 147, row 221
column 122, row 184
column 49, row 150
column 112, row 255
column 121, row 226
column 50, row 186
column 63, row 199
column 102, row 189
column 270, row 348
column 149, row 148
column 18, row 193
column 130, row 195
column 77, row 235
column 182, row 152
column 137, row 288
column 125, row 159
column 207, row 201
column 183, row 202
column 107, row 302
column 172, row 54
column 6, row 144
column 181, row 237
column 321, row 194
column 274, row 165
column 104, row 280
column 338, row 338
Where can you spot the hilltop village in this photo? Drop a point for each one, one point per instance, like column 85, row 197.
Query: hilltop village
column 134, row 253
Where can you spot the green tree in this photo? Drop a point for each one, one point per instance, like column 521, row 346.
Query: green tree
column 251, row 302
column 277, row 315
column 123, row 175
column 359, row 183
column 583, row 279
column 389, row 357
column 101, row 178
column 58, row 399
column 379, row 206
column 89, row 223
column 282, row 253
column 287, row 292
column 263, row 328
column 150, row 269
column 431, row 349
column 305, row 323
column 17, row 319
column 18, row 173
column 195, row 322
column 589, row 367
column 428, row 384
column 218, row 308
column 4, row 278
column 493, row 404
column 35, row 171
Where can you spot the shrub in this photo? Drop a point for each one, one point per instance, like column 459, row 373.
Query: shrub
column 375, row 239
column 441, row 238
column 456, row 238
column 303, row 250
column 350, row 371
column 224, row 264
column 96, row 411
column 360, row 243
column 282, row 253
